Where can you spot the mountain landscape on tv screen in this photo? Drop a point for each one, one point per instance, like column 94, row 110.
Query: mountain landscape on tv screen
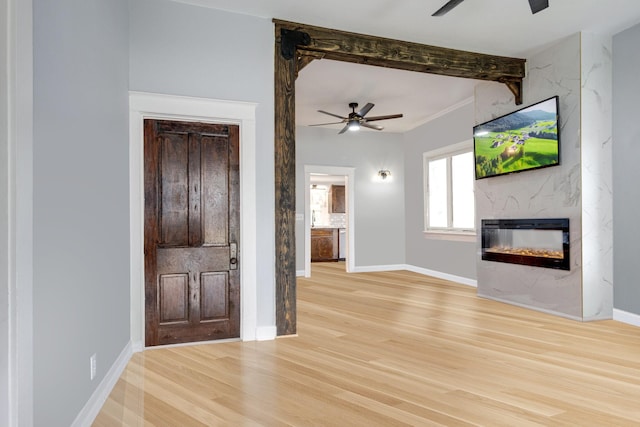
column 519, row 120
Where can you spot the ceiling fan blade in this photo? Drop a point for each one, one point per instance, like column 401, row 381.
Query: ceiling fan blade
column 331, row 114
column 365, row 109
column 367, row 125
column 324, row 124
column 538, row 5
column 344, row 129
column 390, row 116
column 447, row 7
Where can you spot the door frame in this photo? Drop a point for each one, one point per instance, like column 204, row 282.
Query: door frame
column 349, row 174
column 144, row 105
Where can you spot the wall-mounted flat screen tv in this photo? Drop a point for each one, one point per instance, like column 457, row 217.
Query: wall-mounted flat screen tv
column 522, row 140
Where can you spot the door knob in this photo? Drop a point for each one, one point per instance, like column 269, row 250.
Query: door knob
column 233, row 254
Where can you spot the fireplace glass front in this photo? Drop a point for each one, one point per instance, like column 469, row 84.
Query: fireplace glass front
column 535, row 242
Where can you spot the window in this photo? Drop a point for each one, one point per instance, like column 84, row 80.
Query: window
column 448, row 187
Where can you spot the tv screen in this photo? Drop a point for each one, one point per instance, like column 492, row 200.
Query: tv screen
column 522, row 140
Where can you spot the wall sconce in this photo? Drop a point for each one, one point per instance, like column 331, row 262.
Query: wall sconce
column 384, row 174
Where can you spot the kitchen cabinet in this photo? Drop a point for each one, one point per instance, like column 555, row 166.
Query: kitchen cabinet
column 324, row 244
column 336, row 199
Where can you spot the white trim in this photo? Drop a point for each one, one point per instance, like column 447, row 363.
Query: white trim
column 150, row 105
column 378, row 268
column 137, row 346
column 456, row 236
column 266, row 333
column 100, row 395
column 349, row 174
column 444, row 276
column 626, row 317
column 300, row 273
column 432, row 273
column 18, row 40
column 449, row 150
column 444, row 112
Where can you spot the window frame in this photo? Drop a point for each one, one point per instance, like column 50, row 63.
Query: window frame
column 449, row 232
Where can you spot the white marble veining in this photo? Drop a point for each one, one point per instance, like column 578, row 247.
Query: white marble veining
column 597, row 175
column 579, row 70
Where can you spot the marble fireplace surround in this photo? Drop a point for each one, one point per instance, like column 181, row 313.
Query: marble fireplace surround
column 579, row 70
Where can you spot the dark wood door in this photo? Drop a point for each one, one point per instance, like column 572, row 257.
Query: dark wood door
column 192, row 228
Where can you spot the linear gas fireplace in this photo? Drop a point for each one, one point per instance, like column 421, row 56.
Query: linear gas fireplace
column 535, row 242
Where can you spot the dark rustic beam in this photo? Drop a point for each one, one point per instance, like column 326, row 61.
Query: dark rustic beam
column 303, row 44
column 515, row 86
column 371, row 50
column 305, row 58
column 285, row 187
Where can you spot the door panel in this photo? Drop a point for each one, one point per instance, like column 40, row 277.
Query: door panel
column 213, row 290
column 216, row 197
column 174, row 181
column 174, row 294
column 191, row 230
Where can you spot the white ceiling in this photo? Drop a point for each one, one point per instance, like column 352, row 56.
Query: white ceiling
column 331, row 85
column 497, row 27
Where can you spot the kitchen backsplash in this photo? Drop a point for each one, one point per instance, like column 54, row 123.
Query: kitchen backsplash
column 338, row 220
column 320, row 216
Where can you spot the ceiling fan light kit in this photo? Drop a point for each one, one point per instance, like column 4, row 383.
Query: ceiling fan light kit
column 355, row 120
column 536, row 6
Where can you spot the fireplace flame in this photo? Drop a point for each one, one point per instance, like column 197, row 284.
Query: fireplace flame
column 542, row 253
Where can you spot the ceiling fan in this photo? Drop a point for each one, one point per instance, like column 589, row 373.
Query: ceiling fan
column 357, row 119
column 536, row 6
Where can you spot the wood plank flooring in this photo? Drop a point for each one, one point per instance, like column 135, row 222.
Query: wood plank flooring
column 392, row 349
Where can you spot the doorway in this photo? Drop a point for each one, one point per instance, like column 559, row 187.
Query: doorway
column 348, row 174
column 158, row 106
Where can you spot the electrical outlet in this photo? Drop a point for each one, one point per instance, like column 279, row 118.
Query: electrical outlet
column 94, row 366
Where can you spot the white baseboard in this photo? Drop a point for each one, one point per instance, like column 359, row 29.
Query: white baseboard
column 266, row 333
column 299, row 273
column 626, row 317
column 91, row 409
column 419, row 270
column 377, row 268
column 443, row 276
column 137, row 346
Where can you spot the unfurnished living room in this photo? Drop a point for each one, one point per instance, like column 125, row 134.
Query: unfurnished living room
column 223, row 212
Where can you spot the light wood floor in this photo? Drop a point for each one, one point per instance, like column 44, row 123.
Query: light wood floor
column 391, row 349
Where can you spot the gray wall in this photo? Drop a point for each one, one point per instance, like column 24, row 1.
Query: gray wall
column 626, row 174
column 180, row 49
column 445, row 256
column 379, row 206
column 81, row 200
column 4, row 220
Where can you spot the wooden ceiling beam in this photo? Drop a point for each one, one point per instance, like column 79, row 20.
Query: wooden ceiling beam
column 383, row 52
